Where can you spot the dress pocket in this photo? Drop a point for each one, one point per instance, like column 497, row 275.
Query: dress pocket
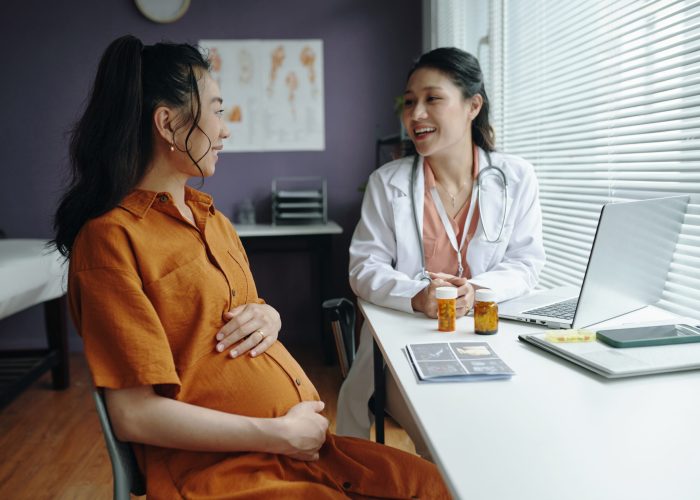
column 189, row 302
column 240, row 279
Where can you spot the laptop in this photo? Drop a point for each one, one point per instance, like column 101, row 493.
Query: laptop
column 627, row 267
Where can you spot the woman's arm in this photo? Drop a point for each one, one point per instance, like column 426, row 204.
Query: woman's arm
column 373, row 253
column 139, row 415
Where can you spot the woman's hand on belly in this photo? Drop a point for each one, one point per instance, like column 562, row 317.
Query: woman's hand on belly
column 258, row 324
column 305, row 430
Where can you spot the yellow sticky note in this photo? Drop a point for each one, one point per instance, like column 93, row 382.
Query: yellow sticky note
column 569, row 336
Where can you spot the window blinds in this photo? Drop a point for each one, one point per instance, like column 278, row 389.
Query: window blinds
column 603, row 98
column 447, row 23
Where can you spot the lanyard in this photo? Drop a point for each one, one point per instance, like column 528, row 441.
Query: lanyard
column 448, row 226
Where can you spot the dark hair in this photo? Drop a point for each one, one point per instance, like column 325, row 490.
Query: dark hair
column 465, row 72
column 112, row 143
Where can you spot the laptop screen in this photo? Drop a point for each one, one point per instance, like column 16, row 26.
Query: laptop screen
column 630, row 257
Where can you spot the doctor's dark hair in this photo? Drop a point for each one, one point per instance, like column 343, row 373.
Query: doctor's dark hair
column 112, row 143
column 465, row 72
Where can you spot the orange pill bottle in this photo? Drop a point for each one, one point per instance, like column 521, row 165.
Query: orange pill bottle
column 447, row 308
column 485, row 312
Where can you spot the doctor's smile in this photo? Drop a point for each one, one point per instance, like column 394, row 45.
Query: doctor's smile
column 421, row 133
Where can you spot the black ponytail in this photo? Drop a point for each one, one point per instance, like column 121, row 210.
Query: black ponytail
column 112, row 143
column 465, row 72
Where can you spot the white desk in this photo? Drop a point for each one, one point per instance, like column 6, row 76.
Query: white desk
column 554, row 431
column 314, row 239
column 31, row 275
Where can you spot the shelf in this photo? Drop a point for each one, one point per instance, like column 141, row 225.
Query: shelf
column 289, row 205
column 18, row 369
column 303, row 205
column 299, row 194
column 300, row 215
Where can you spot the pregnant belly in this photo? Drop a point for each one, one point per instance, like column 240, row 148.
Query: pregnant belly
column 265, row 386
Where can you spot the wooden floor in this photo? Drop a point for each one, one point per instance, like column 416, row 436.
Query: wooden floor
column 51, row 444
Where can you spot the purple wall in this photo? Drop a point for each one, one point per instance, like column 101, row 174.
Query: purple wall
column 51, row 50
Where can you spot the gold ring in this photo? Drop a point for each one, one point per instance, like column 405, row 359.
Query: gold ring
column 262, row 336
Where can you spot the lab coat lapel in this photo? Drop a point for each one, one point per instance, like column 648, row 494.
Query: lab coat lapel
column 408, row 241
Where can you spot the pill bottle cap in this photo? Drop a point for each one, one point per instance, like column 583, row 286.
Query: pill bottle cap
column 446, row 292
column 485, row 295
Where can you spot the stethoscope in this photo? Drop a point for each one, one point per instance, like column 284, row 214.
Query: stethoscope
column 475, row 198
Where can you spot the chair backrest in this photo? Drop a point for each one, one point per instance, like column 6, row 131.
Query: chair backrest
column 340, row 314
column 125, row 470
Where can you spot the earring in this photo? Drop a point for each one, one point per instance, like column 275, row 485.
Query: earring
column 172, row 147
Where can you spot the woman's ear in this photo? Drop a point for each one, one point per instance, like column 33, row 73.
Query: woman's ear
column 477, row 101
column 163, row 118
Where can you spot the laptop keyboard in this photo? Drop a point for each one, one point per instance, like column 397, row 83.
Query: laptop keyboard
column 560, row 310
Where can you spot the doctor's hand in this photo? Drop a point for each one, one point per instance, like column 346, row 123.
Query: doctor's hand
column 425, row 300
column 465, row 291
column 258, row 324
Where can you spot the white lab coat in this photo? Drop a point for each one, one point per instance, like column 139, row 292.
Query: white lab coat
column 385, row 260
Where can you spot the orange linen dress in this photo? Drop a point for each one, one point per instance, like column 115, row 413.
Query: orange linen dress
column 148, row 292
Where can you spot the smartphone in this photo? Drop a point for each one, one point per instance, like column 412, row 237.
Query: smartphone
column 641, row 336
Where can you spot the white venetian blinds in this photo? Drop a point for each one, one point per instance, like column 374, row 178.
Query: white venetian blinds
column 603, row 97
column 445, row 23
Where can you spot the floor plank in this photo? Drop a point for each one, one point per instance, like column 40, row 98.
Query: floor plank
column 51, row 444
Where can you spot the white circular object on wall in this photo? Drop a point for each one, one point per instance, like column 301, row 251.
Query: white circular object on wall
column 163, row 11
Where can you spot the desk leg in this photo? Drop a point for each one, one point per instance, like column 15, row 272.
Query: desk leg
column 57, row 334
column 379, row 393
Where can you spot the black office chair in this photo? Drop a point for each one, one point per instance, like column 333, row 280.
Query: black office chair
column 125, row 471
column 339, row 313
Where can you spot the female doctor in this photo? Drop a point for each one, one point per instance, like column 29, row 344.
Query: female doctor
column 456, row 214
